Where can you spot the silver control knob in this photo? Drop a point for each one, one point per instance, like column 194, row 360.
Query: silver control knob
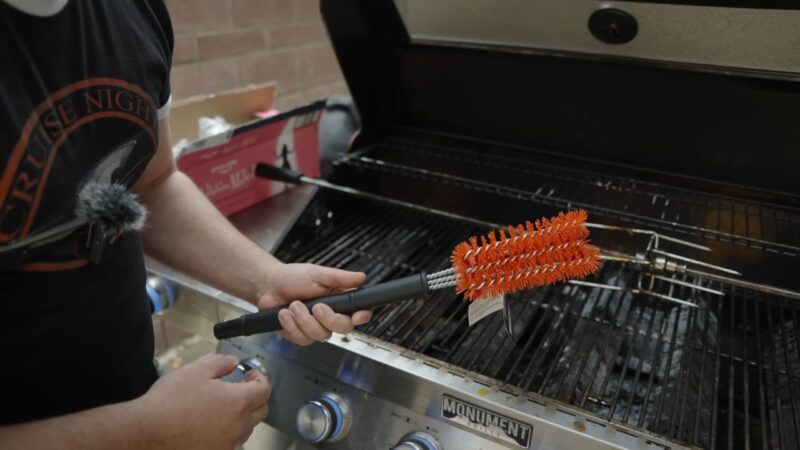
column 248, row 364
column 418, row 441
column 245, row 365
column 163, row 294
column 324, row 419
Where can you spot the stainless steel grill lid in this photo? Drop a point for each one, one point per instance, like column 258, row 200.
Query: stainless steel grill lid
column 703, row 120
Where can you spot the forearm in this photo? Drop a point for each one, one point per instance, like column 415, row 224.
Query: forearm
column 185, row 231
column 119, row 426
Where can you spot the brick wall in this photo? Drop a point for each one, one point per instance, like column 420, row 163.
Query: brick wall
column 223, row 44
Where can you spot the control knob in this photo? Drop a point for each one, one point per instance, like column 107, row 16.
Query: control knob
column 245, row 365
column 162, row 294
column 418, row 441
column 324, row 419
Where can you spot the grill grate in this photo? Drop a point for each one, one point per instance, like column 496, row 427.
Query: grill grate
column 680, row 211
column 718, row 376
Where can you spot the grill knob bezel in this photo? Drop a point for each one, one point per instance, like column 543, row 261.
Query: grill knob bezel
column 418, row 440
column 253, row 363
column 324, row 419
column 314, row 422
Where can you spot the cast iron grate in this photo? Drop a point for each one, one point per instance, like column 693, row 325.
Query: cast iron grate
column 723, row 375
column 679, row 211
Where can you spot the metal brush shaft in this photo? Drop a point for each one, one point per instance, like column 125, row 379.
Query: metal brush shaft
column 525, row 273
column 523, row 256
column 442, row 282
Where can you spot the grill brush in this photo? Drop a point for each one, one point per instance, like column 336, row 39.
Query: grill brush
column 515, row 258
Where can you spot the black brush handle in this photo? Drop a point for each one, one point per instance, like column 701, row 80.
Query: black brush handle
column 270, row 172
column 346, row 303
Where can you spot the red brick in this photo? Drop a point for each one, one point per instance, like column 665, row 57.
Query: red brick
column 185, row 81
column 307, row 10
column 185, row 50
column 227, row 44
column 199, row 15
column 315, row 93
column 262, row 12
column 318, row 65
column 287, row 102
column 306, row 96
column 218, row 76
column 292, row 35
column 302, row 98
column 262, row 68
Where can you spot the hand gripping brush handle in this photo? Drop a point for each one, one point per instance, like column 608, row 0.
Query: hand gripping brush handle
column 536, row 254
column 346, row 303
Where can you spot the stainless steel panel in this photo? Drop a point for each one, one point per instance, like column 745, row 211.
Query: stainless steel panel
column 393, row 392
column 742, row 38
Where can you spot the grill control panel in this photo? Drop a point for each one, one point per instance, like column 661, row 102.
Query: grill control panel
column 340, row 415
column 343, row 400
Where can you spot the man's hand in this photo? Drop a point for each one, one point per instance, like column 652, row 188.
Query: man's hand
column 291, row 282
column 189, row 409
column 192, row 409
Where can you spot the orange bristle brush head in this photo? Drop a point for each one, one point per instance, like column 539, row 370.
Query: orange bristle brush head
column 536, row 254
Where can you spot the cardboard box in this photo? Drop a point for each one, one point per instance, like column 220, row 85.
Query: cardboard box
column 238, row 106
column 223, row 165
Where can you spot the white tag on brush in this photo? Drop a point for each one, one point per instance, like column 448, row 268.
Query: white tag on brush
column 481, row 308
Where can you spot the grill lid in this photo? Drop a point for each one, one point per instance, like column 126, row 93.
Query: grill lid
column 695, row 122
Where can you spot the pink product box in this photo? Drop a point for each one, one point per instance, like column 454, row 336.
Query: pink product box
column 223, row 165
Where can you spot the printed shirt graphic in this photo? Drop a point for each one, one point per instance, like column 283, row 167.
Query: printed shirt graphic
column 71, row 115
column 80, row 93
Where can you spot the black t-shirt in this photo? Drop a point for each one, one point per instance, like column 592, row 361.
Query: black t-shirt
column 80, row 95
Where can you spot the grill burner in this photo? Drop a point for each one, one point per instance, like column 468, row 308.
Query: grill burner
column 716, row 376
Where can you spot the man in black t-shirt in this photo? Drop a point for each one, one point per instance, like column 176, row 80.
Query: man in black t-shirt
column 84, row 98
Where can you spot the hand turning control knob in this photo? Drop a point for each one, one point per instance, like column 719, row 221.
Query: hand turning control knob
column 246, row 365
column 249, row 364
column 327, row 418
column 418, row 441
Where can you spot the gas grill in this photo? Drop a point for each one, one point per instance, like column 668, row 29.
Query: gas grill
column 498, row 124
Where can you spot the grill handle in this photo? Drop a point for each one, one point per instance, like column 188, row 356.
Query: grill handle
column 274, row 173
column 346, row 303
